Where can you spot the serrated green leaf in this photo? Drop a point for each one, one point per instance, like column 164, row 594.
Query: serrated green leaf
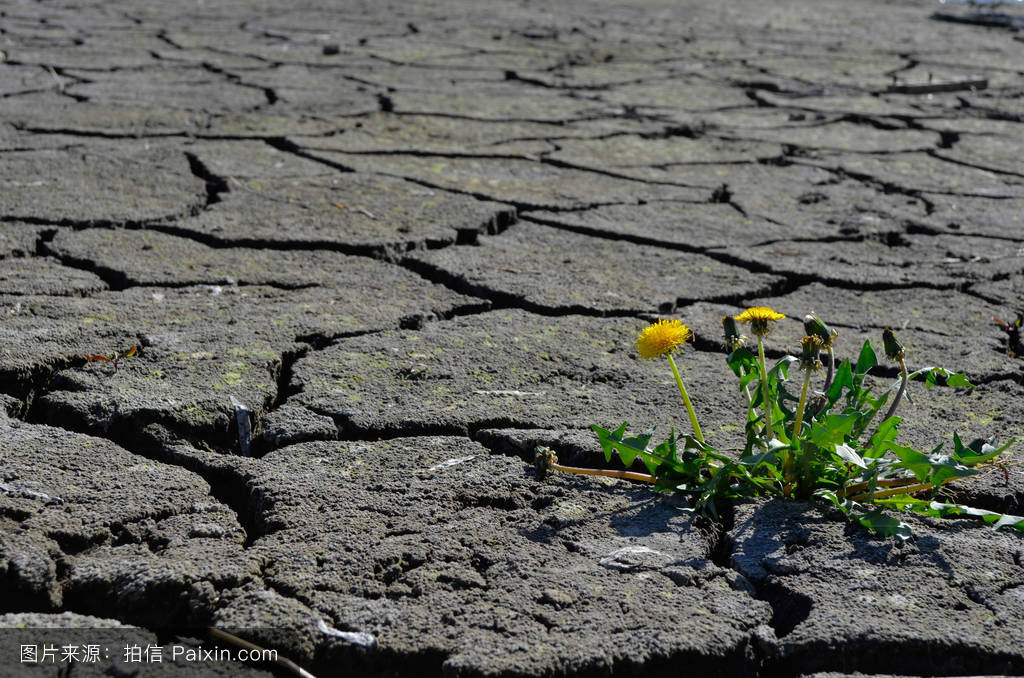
column 833, row 429
column 997, row 520
column 977, row 452
column 885, row 525
column 866, row 360
column 781, row 368
column 843, row 379
column 932, row 373
column 931, row 468
column 627, row 449
column 883, row 438
column 959, row 380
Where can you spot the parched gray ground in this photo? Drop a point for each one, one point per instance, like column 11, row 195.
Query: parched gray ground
column 371, row 256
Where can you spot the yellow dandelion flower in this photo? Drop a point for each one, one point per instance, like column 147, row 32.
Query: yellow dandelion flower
column 759, row 317
column 662, row 338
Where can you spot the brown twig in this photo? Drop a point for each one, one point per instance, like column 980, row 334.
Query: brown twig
column 608, row 473
column 284, row 663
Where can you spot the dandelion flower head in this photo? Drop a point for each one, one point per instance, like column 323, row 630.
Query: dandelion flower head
column 759, row 317
column 662, row 338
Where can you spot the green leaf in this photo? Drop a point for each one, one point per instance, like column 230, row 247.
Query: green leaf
column 843, row 379
column 782, row 366
column 866, row 360
column 628, row 448
column 930, row 468
column 742, row 360
column 850, row 455
column 977, row 452
column 885, row 524
column 883, row 438
column 664, row 451
column 833, row 429
column 958, row 380
column 831, row 496
column 997, row 520
column 917, row 462
column 931, row 374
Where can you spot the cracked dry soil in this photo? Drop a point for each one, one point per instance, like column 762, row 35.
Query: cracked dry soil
column 407, row 242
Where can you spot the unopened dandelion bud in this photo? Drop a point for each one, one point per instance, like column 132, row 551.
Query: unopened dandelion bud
column 810, row 352
column 893, row 348
column 542, row 461
column 733, row 338
column 815, row 326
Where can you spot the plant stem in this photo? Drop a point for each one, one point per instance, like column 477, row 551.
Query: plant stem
column 906, row 489
column 899, row 486
column 800, row 406
column 899, row 394
column 828, row 381
column 787, row 462
column 686, row 400
column 764, row 390
column 857, row 487
column 609, row 473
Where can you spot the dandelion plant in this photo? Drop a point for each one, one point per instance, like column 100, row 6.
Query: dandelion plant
column 830, row 449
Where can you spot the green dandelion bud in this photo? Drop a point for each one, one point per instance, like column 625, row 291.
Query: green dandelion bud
column 733, row 338
column 815, row 326
column 893, row 348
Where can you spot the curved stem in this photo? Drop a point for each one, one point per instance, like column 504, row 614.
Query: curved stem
column 800, row 407
column 606, row 472
column 686, row 400
column 764, row 390
column 906, row 489
column 787, row 460
column 899, row 394
column 856, row 488
column 828, row 381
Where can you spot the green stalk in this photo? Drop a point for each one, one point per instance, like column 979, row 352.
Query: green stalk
column 899, row 394
column 606, row 472
column 800, row 407
column 788, row 462
column 686, row 400
column 764, row 390
column 828, row 380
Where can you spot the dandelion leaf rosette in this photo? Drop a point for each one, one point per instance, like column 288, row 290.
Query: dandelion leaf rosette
column 844, row 454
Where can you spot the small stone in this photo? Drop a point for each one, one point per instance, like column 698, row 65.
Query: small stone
column 557, row 597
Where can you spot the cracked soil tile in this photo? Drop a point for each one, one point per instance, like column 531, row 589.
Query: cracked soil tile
column 482, row 568
column 844, row 599
column 941, row 261
column 522, row 182
column 510, row 368
column 537, row 266
column 356, row 212
column 199, row 347
column 97, row 182
column 669, row 222
column 121, row 529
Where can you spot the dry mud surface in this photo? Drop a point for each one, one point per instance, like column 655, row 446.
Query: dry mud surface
column 373, row 253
